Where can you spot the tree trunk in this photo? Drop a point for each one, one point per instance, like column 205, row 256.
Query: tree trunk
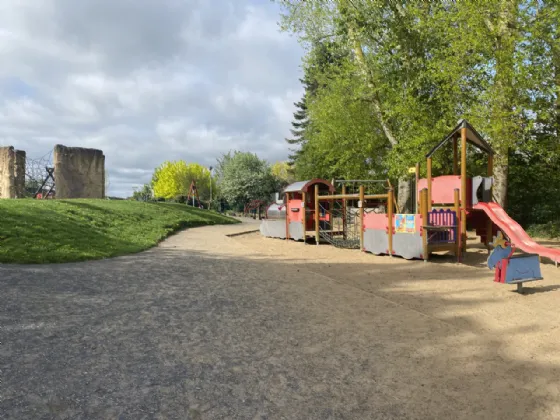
column 368, row 78
column 500, row 181
column 555, row 48
column 404, row 196
column 504, row 95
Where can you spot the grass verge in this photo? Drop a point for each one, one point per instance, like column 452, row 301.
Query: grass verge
column 54, row 231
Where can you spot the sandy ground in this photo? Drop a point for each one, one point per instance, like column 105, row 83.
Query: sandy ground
column 208, row 326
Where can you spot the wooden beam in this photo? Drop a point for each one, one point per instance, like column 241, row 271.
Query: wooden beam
column 464, row 187
column 416, row 194
column 287, row 214
column 424, row 216
column 352, row 197
column 344, row 224
column 304, row 215
column 317, row 214
column 361, row 210
column 429, row 176
column 390, row 221
column 458, row 236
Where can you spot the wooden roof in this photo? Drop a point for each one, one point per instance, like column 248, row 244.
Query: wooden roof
column 473, row 137
column 303, row 186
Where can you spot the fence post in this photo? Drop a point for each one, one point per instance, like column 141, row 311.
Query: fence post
column 317, row 214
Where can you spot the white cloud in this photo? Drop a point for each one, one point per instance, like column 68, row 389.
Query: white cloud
column 146, row 81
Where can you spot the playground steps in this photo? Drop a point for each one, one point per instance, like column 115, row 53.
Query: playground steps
column 339, row 241
column 478, row 220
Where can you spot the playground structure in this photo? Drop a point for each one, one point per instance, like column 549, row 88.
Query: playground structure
column 447, row 206
column 193, row 195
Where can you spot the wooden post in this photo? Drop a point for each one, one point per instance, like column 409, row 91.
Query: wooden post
column 458, row 224
column 329, row 212
column 304, row 216
column 390, row 221
column 464, row 187
column 287, row 216
column 362, row 193
column 344, row 225
column 424, row 215
column 317, row 204
column 455, row 157
column 416, row 195
column 429, row 183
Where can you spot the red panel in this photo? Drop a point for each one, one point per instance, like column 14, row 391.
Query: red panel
column 294, row 216
column 443, row 188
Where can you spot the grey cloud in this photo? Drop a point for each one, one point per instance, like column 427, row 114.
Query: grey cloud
column 147, row 81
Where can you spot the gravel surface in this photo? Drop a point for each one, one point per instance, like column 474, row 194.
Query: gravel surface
column 207, row 326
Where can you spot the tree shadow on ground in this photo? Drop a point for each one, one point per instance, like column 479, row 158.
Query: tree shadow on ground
column 217, row 334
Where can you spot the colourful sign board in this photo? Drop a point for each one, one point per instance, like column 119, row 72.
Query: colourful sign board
column 405, row 223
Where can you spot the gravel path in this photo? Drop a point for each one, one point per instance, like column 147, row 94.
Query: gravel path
column 207, row 326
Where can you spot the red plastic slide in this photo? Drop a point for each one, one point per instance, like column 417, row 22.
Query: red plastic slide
column 517, row 236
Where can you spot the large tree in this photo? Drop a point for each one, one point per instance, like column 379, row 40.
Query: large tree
column 243, row 177
column 173, row 179
column 390, row 48
column 283, row 172
column 423, row 65
column 323, row 55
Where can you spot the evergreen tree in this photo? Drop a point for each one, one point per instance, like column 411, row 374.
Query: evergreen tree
column 299, row 125
column 323, row 55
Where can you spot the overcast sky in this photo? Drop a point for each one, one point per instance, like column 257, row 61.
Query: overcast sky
column 146, row 80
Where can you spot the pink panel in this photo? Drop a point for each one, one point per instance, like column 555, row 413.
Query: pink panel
column 418, row 223
column 295, row 216
column 375, row 221
column 443, row 188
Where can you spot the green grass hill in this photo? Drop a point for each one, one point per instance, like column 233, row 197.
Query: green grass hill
column 52, row 231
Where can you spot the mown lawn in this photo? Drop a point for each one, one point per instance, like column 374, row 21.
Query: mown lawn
column 49, row 231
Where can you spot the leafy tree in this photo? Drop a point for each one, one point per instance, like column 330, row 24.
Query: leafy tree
column 283, row 172
column 349, row 143
column 242, row 177
column 143, row 194
column 173, row 179
column 390, row 52
column 322, row 55
column 412, row 69
column 299, row 125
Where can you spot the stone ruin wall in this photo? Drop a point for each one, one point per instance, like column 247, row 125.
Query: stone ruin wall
column 19, row 174
column 79, row 172
column 12, row 173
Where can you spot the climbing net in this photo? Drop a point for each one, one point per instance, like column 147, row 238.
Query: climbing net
column 38, row 183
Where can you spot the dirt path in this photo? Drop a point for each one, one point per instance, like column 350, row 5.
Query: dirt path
column 210, row 327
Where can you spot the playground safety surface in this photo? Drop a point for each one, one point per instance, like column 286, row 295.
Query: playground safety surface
column 208, row 326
